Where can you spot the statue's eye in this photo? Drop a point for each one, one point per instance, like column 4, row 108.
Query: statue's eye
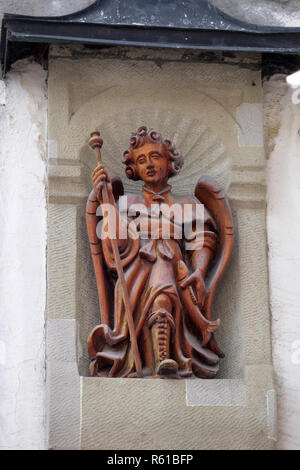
column 141, row 160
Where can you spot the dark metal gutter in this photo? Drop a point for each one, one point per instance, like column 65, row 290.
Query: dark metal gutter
column 190, row 24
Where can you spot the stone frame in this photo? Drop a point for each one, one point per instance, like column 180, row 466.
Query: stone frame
column 237, row 411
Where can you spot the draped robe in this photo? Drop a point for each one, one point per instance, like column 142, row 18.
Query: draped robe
column 151, row 268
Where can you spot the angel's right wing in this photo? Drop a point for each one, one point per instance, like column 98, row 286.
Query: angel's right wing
column 96, row 249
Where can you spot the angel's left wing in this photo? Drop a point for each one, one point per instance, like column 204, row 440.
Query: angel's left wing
column 210, row 193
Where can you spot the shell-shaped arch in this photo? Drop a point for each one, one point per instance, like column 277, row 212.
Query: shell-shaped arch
column 203, row 151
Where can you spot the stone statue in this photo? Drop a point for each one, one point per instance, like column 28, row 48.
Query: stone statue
column 158, row 258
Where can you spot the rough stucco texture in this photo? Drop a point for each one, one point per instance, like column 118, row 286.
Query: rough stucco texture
column 23, row 113
column 284, row 263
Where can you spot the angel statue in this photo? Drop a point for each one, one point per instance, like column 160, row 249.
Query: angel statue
column 157, row 266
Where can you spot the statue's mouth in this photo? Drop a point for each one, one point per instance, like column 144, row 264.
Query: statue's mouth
column 151, row 173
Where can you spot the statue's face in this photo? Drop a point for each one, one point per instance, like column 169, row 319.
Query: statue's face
column 152, row 163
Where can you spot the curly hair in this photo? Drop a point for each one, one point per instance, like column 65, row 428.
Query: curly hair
column 149, row 136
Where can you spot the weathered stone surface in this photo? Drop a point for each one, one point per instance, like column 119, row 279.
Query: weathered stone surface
column 64, row 402
column 61, row 270
column 153, row 414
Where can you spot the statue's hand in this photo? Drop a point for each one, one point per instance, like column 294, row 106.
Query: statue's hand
column 99, row 177
column 196, row 279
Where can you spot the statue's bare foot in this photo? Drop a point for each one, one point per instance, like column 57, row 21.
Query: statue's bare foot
column 167, row 367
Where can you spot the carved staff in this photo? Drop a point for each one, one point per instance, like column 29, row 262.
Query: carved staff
column 95, row 143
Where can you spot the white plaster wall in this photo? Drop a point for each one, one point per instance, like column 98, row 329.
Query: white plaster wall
column 23, row 115
column 283, row 224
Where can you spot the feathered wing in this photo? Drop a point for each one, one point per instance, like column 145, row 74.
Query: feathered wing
column 102, row 280
column 210, row 193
